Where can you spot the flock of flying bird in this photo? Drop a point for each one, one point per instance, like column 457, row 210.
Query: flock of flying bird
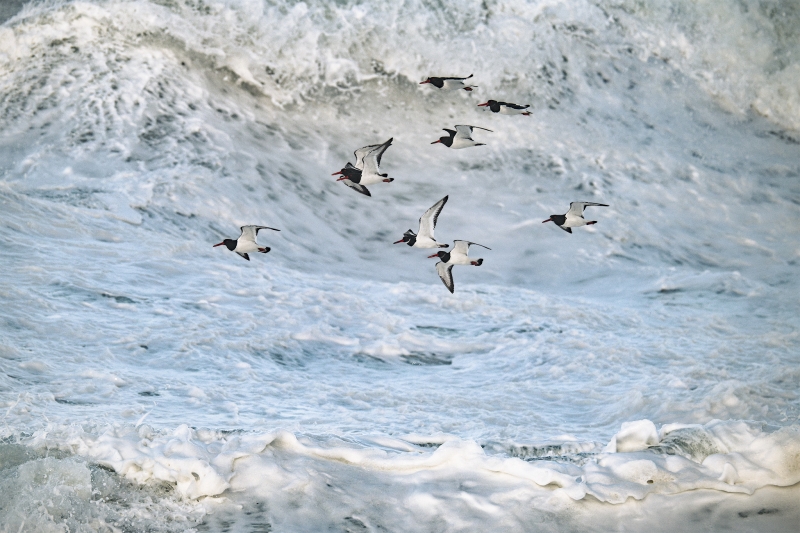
column 366, row 171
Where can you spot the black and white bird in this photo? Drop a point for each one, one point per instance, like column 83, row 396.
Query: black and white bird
column 504, row 108
column 574, row 217
column 460, row 138
column 459, row 255
column 449, row 84
column 366, row 171
column 427, row 223
column 246, row 242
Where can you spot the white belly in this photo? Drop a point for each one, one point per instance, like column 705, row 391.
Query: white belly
column 574, row 222
column 452, row 85
column 425, row 242
column 246, row 247
column 462, row 143
column 371, row 179
column 459, row 259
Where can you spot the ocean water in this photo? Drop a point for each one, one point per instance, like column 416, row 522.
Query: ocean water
column 641, row 374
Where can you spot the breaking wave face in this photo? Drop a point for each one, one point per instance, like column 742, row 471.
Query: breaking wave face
column 152, row 382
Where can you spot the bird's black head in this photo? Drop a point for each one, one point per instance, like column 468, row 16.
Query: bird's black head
column 494, row 105
column 349, row 172
column 558, row 219
column 446, row 140
column 444, row 256
column 230, row 244
column 436, row 82
column 409, row 238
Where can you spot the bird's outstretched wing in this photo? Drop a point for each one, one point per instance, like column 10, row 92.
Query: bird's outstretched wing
column 372, row 161
column 446, row 275
column 463, row 246
column 249, row 232
column 427, row 222
column 457, row 78
column 465, row 130
column 244, row 255
column 576, row 208
column 357, row 187
column 361, row 153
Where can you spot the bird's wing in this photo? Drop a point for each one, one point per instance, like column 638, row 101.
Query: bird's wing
column 265, row 227
column 446, row 274
column 457, row 78
column 357, row 187
column 465, row 130
column 576, row 208
column 372, row 161
column 244, row 255
column 463, row 246
column 427, row 222
column 249, row 233
column 568, row 230
column 361, row 153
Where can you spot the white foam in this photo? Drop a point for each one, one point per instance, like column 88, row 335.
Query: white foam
column 246, row 467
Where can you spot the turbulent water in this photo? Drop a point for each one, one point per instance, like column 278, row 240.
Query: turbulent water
column 642, row 373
